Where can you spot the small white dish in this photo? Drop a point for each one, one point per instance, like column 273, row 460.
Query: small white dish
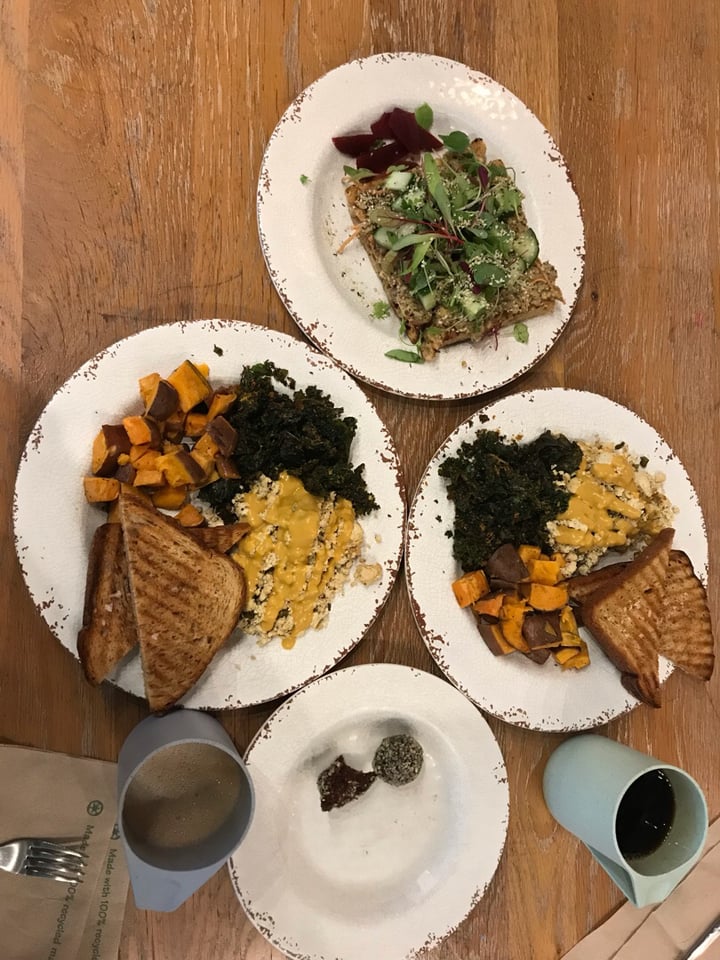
column 395, row 870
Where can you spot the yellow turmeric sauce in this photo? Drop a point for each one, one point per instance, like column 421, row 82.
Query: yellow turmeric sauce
column 290, row 556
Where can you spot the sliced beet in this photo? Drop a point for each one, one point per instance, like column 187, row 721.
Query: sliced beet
column 353, row 144
column 381, row 158
column 409, row 133
column 483, row 176
column 381, row 128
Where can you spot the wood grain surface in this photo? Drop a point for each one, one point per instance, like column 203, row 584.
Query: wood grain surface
column 135, row 132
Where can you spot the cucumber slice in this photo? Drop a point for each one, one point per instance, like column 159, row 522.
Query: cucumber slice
column 473, row 304
column 527, row 247
column 428, row 299
column 398, row 180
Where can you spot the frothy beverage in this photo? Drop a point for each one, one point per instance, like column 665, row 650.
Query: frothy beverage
column 182, row 795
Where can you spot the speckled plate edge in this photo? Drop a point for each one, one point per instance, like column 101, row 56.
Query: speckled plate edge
column 521, row 693
column 331, row 299
column 360, row 690
column 53, row 532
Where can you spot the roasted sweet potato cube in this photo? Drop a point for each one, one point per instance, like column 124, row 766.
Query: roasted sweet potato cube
column 544, row 571
column 148, row 478
column 470, row 587
column 148, row 461
column 526, row 552
column 148, row 385
column 540, row 596
column 224, row 435
column 580, row 660
column 489, row 606
column 179, row 468
column 101, row 489
column 169, row 498
column 220, row 403
column 162, row 401
column 142, row 430
column 494, row 639
column 506, row 564
column 195, row 424
column 206, row 447
column 226, row 468
column 512, row 631
column 190, row 516
column 542, row 630
column 191, row 384
column 111, row 442
column 125, row 473
column 538, row 656
column 137, row 452
column 174, row 427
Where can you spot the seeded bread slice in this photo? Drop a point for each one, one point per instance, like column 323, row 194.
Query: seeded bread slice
column 623, row 615
column 187, row 599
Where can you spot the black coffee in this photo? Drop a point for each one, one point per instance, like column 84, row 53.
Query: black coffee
column 645, row 815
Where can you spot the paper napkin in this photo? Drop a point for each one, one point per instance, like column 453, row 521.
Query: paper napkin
column 54, row 795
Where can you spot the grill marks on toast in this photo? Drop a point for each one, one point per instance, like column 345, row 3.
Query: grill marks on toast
column 624, row 617
column 187, row 600
column 685, row 636
column 108, row 631
column 171, row 589
column 684, row 631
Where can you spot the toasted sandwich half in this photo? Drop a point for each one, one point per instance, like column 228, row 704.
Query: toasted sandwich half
column 186, row 598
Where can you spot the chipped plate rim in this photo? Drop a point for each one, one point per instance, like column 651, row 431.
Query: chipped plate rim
column 52, row 544
column 514, row 689
column 331, row 297
column 294, row 856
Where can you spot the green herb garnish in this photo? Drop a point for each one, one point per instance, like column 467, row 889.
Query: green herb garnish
column 380, row 309
column 304, row 179
column 358, row 173
column 406, row 356
column 457, row 141
column 424, row 116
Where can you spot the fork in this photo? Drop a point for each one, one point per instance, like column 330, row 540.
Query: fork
column 59, row 859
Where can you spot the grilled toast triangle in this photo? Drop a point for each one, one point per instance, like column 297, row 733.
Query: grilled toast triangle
column 623, row 615
column 108, row 629
column 187, row 599
column 685, row 636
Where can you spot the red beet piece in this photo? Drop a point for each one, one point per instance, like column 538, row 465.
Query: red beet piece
column 409, row 133
column 381, row 158
column 353, row 144
column 381, row 128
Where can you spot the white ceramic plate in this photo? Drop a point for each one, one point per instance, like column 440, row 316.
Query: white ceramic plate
column 513, row 688
column 54, row 525
column 330, row 296
column 395, row 870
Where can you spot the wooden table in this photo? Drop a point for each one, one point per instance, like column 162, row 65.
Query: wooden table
column 130, row 141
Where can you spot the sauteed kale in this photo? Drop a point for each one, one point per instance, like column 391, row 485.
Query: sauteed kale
column 300, row 431
column 506, row 492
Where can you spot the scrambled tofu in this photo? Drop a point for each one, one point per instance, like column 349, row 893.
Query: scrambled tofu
column 297, row 556
column 615, row 503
